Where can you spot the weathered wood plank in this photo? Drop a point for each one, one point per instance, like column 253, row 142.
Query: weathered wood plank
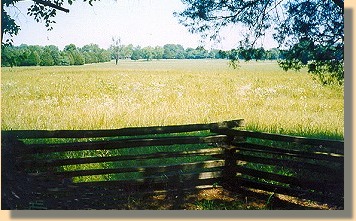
column 337, row 145
column 291, row 153
column 144, row 170
column 301, row 193
column 122, row 188
column 122, row 143
column 76, row 161
column 305, row 183
column 176, row 179
column 130, row 131
column 290, row 164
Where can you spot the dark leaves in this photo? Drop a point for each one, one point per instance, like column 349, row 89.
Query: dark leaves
column 42, row 11
column 310, row 32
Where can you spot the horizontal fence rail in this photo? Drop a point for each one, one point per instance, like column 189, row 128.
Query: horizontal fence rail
column 134, row 131
column 65, row 164
column 335, row 145
column 98, row 169
column 297, row 166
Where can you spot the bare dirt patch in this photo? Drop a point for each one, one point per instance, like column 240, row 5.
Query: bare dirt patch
column 222, row 199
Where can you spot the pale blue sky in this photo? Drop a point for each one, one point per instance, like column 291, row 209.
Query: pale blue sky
column 137, row 22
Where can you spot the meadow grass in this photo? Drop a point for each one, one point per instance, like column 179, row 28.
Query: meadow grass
column 170, row 92
column 167, row 92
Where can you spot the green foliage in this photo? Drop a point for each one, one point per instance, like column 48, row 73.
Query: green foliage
column 318, row 59
column 30, row 58
column 77, row 57
column 136, row 54
column 158, row 52
column 9, row 56
column 70, row 48
column 309, row 31
column 147, row 53
column 8, row 25
column 172, row 51
column 46, row 59
column 42, row 10
column 327, row 72
column 25, row 55
column 91, row 53
column 65, row 59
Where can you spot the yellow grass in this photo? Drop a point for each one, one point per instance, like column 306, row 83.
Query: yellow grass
column 169, row 92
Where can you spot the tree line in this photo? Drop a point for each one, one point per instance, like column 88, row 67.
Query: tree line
column 310, row 31
column 34, row 55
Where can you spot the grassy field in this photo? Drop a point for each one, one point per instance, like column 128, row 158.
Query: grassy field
column 170, row 92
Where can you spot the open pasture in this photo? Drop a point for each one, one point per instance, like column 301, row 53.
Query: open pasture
column 170, row 92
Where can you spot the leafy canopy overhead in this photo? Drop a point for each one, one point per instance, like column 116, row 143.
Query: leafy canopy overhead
column 311, row 32
column 41, row 10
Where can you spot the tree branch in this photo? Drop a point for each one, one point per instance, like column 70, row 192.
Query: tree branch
column 50, row 4
column 339, row 3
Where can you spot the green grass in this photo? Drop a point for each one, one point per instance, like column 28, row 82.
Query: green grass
column 170, row 92
column 167, row 92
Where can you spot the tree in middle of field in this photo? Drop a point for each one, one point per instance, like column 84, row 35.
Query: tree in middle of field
column 116, row 48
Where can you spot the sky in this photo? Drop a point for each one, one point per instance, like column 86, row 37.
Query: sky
column 137, row 22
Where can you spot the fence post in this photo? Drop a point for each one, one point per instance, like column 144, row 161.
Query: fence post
column 229, row 172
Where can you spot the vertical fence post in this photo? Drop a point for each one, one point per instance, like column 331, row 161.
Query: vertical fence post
column 229, row 172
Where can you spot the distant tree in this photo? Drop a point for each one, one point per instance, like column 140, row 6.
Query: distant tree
column 173, row 51
column 259, row 54
column 25, row 55
column 180, row 52
column 76, row 58
column 136, row 53
column 116, row 48
column 70, row 47
column 89, row 57
column 212, row 53
column 104, row 56
column 46, row 59
column 244, row 53
column 9, row 57
column 91, row 53
column 54, row 52
column 65, row 59
column 30, row 58
column 311, row 32
column 201, row 52
column 190, row 53
column 147, row 53
column 126, row 51
column 221, row 54
column 158, row 52
column 272, row 54
column 169, row 51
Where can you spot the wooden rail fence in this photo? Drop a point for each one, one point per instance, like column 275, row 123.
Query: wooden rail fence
column 99, row 169
column 296, row 166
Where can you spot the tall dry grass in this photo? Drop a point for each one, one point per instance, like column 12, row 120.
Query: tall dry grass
column 169, row 92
